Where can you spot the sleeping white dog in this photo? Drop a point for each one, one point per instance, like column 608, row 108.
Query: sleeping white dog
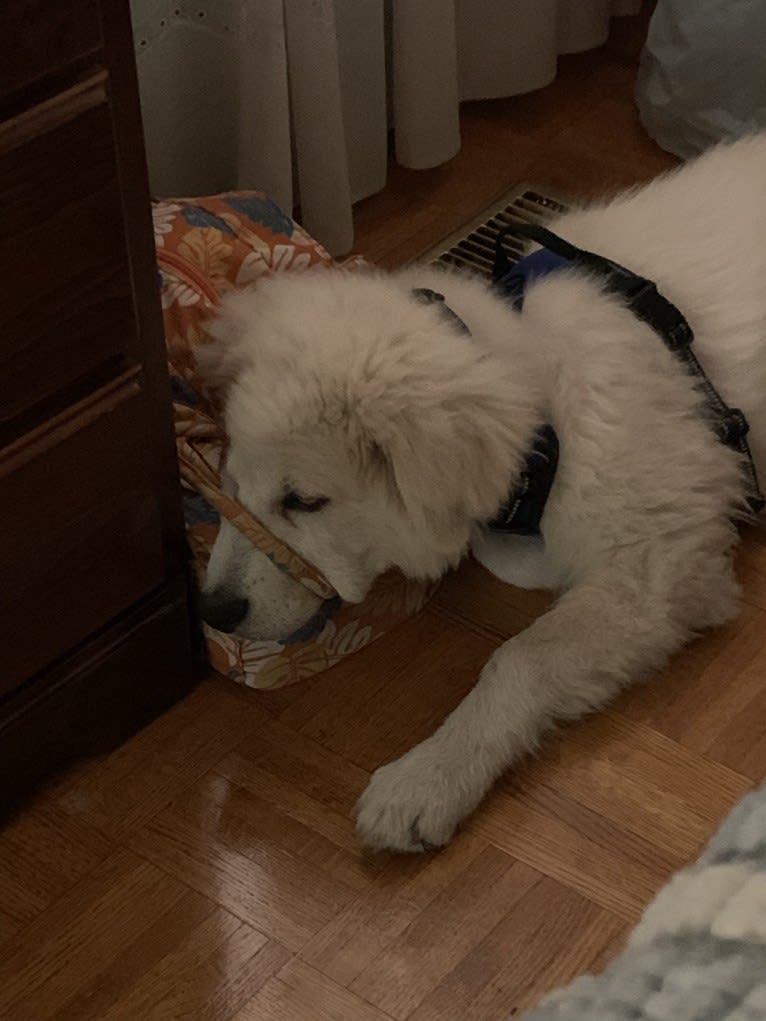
column 368, row 430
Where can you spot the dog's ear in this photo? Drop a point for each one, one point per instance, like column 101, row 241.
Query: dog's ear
column 454, row 442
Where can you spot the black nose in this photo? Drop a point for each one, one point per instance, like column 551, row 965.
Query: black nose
column 222, row 610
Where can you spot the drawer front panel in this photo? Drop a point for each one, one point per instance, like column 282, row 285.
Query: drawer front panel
column 44, row 37
column 80, row 526
column 67, row 309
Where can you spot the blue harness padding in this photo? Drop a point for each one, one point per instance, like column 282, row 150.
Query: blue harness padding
column 514, row 281
column 522, row 512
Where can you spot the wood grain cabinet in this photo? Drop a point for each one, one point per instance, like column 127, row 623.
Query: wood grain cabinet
column 97, row 631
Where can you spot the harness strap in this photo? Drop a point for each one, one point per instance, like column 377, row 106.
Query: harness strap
column 645, row 301
column 522, row 511
column 650, row 306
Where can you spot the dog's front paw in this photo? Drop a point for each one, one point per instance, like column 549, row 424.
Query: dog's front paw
column 413, row 804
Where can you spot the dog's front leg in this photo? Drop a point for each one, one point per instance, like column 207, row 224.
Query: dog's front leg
column 602, row 634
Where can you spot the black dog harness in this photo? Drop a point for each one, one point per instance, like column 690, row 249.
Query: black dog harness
column 523, row 510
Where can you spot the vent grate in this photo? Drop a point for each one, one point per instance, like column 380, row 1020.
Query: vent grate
column 472, row 247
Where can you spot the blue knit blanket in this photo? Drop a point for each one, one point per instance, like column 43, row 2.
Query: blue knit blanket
column 699, row 953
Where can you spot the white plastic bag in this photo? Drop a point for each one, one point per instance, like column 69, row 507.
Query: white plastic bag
column 703, row 73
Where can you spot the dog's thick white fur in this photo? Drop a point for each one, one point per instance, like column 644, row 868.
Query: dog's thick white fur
column 343, row 386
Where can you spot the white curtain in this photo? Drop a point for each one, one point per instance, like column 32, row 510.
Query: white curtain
column 296, row 97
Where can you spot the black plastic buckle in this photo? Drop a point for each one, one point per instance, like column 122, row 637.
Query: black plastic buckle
column 732, row 427
column 655, row 310
column 679, row 336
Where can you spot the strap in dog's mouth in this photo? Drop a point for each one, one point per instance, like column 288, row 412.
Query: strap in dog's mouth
column 202, row 477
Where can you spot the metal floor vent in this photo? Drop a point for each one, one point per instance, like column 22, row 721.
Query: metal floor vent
column 472, row 247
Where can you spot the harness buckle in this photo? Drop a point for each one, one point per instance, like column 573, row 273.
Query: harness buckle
column 732, row 427
column 679, row 336
column 654, row 308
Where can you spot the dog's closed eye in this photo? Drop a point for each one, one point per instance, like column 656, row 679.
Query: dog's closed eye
column 294, row 502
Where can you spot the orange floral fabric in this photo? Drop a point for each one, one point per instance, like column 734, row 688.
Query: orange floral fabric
column 206, row 246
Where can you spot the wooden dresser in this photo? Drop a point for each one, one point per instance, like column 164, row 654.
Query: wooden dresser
column 96, row 634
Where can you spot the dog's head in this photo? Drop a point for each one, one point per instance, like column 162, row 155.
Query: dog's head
column 365, row 431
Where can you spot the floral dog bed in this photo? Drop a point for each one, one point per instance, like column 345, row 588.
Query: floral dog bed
column 206, row 246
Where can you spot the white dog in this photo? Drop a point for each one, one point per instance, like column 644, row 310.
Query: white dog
column 368, row 432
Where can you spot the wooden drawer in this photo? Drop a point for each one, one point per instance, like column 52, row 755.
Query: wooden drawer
column 80, row 528
column 66, row 314
column 41, row 38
